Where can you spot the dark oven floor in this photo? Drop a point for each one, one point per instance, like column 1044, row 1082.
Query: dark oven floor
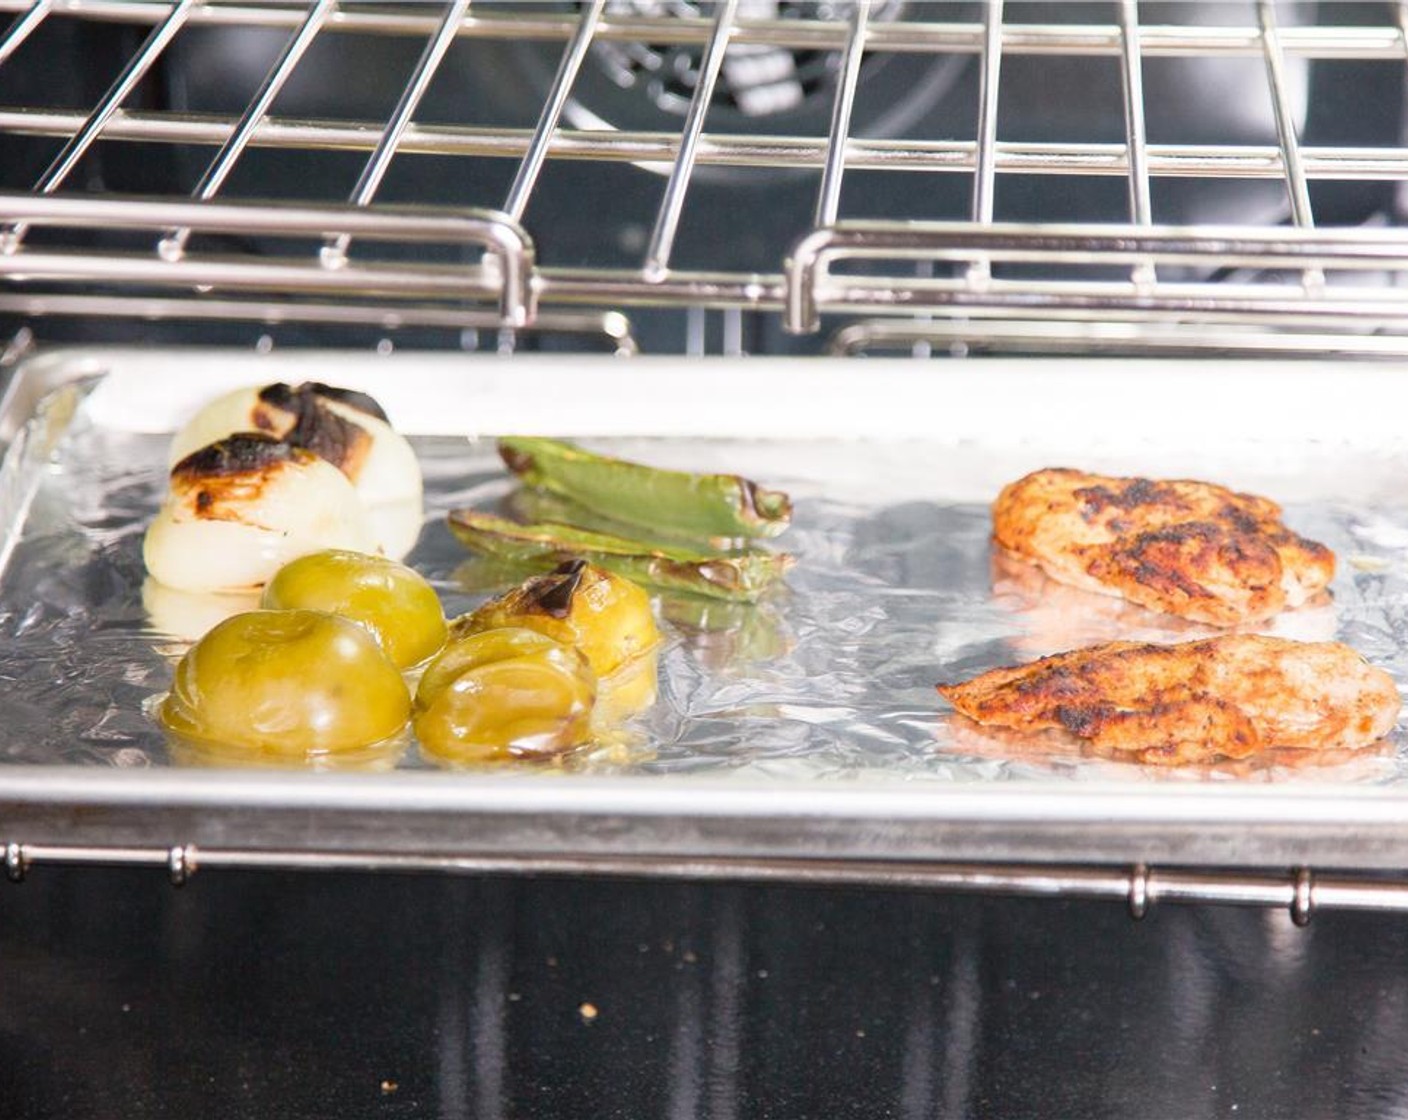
column 255, row 995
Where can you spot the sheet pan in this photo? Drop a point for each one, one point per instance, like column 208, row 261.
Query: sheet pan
column 807, row 728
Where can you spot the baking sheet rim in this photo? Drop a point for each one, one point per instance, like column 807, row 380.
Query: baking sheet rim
column 50, row 801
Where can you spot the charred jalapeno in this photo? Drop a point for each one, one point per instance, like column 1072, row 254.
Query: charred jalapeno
column 742, row 576
column 697, row 505
column 504, row 693
column 602, row 614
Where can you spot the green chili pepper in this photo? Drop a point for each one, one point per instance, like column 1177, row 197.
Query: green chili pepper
column 701, row 505
column 531, row 506
column 740, row 576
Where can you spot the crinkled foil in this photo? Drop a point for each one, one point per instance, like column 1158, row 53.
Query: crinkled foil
column 894, row 590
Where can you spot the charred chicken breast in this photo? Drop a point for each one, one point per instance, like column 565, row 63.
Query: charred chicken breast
column 1187, row 548
column 1229, row 696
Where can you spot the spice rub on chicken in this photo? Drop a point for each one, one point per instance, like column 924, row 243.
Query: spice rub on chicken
column 1187, row 548
column 1225, row 697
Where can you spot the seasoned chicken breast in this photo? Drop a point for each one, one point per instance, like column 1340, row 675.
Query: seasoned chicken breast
column 1056, row 615
column 1229, row 696
column 1192, row 549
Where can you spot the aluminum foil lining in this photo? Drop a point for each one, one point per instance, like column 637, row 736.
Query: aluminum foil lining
column 896, row 588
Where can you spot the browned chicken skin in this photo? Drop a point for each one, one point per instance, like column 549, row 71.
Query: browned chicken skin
column 1229, row 696
column 1188, row 548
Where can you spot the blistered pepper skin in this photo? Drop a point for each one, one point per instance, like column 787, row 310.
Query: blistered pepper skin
column 742, row 575
column 696, row 505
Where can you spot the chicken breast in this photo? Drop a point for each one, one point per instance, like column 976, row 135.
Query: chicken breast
column 1055, row 615
column 1192, row 549
column 1229, row 696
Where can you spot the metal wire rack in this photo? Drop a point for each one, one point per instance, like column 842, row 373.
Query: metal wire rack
column 1136, row 270
column 1300, row 891
column 69, row 247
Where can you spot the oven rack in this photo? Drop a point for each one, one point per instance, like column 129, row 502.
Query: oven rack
column 1300, row 891
column 1147, row 275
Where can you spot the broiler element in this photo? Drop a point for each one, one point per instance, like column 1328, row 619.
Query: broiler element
column 1193, row 549
column 1230, row 696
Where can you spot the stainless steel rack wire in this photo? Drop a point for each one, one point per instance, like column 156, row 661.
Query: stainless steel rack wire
column 1300, row 891
column 1304, row 277
column 944, row 283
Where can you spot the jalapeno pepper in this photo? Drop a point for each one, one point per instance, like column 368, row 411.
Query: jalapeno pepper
column 699, row 505
column 742, row 576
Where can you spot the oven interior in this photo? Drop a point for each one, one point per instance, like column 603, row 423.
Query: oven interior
column 740, row 178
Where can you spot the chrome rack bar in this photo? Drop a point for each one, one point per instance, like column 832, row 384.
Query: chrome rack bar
column 1296, row 186
column 173, row 245
column 511, row 284
column 265, row 274
column 829, row 196
column 909, row 36
column 680, row 289
column 576, row 51
column 1250, row 161
column 611, row 326
column 662, row 237
column 1300, row 891
column 517, row 284
column 334, row 253
column 1357, row 309
column 1106, row 337
column 985, row 170
column 23, row 27
column 808, row 266
column 136, row 68
column 1342, row 307
column 732, row 330
column 1132, row 85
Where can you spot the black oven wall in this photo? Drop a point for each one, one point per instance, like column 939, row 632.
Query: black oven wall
column 248, row 995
